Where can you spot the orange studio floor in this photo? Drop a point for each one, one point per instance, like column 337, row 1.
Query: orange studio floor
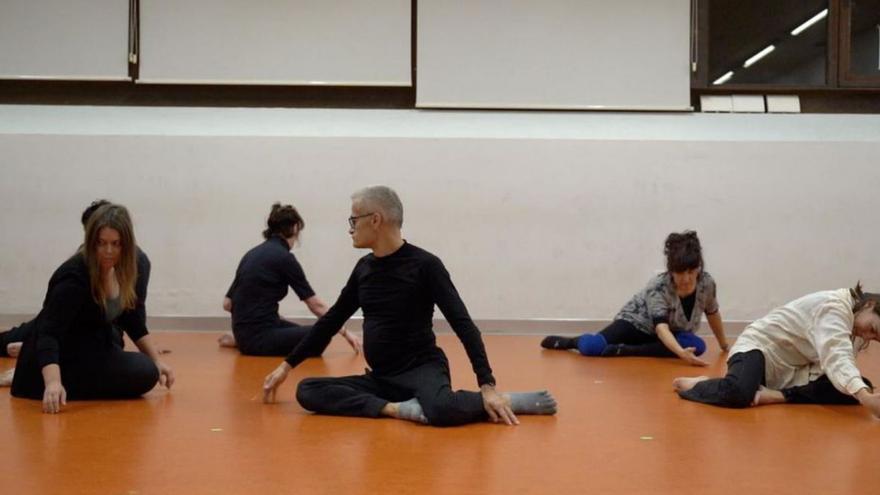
column 620, row 429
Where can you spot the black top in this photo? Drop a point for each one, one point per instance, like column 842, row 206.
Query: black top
column 261, row 281
column 687, row 304
column 397, row 294
column 72, row 327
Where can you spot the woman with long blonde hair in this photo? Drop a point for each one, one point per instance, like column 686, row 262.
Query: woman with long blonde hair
column 76, row 350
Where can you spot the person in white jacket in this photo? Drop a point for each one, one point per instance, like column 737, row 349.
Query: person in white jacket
column 803, row 352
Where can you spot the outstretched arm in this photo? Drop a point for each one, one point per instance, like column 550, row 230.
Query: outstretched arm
column 665, row 336
column 62, row 304
column 321, row 333
column 54, row 395
column 717, row 327
column 831, row 338
column 166, row 374
column 319, row 308
column 447, row 299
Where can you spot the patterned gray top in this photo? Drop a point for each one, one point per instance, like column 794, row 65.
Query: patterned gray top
column 658, row 302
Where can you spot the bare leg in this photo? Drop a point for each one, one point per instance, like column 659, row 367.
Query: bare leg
column 390, row 410
column 6, row 377
column 13, row 348
column 227, row 340
column 685, row 383
column 766, row 396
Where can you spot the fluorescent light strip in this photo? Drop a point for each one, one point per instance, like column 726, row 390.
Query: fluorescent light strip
column 813, row 20
column 723, row 79
column 758, row 56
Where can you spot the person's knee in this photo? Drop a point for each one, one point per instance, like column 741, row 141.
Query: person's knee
column 247, row 348
column 308, row 392
column 689, row 339
column 145, row 375
column 591, row 344
column 441, row 410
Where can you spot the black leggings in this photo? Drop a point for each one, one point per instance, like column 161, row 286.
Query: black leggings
column 277, row 340
column 366, row 395
column 745, row 374
column 15, row 334
column 633, row 342
column 113, row 375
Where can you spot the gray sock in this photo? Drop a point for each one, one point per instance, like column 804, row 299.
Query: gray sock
column 540, row 402
column 411, row 410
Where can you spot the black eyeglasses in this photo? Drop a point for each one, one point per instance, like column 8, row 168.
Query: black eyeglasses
column 352, row 221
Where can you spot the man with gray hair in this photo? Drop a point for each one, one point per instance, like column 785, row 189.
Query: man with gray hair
column 397, row 286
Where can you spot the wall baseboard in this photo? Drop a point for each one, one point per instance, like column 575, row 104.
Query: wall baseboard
column 535, row 326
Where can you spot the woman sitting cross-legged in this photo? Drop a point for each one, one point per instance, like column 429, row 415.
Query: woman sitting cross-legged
column 75, row 350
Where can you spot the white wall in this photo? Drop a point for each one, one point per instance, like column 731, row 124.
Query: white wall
column 540, row 215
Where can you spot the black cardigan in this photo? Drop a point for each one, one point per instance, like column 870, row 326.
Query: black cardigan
column 71, row 328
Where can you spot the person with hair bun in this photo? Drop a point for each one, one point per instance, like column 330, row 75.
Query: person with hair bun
column 801, row 353
column 661, row 319
column 261, row 281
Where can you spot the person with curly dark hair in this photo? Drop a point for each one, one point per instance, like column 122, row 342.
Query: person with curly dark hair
column 661, row 319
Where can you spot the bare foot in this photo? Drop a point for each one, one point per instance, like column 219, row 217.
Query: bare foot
column 685, row 383
column 6, row 378
column 227, row 340
column 13, row 349
column 766, row 396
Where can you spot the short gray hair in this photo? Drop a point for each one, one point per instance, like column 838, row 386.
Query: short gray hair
column 383, row 199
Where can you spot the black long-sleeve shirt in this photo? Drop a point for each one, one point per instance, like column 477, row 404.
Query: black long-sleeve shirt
column 71, row 327
column 261, row 281
column 397, row 294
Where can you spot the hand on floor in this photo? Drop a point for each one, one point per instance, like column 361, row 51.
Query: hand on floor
column 692, row 358
column 54, row 396
column 871, row 401
column 273, row 381
column 166, row 375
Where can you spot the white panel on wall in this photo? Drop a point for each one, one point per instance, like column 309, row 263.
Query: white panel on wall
column 555, row 54
column 317, row 42
column 64, row 39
